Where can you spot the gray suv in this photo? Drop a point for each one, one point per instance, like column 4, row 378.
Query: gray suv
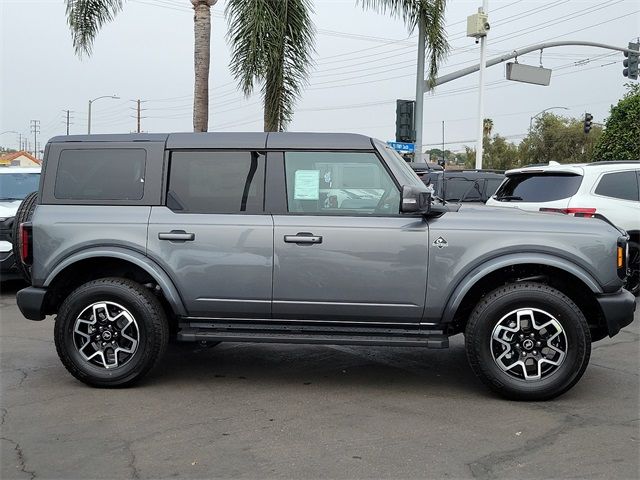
column 305, row 238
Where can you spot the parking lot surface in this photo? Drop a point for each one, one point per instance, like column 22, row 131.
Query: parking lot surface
column 291, row 411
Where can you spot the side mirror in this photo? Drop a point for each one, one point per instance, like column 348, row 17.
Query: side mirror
column 415, row 200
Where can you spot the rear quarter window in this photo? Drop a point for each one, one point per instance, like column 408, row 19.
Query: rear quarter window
column 539, row 187
column 621, row 185
column 101, row 174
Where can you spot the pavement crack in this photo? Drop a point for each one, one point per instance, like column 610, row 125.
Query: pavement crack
column 4, row 415
column 22, row 465
column 132, row 460
column 483, row 467
column 614, row 369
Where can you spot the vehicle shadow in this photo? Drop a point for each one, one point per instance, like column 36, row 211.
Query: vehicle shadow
column 11, row 286
column 431, row 372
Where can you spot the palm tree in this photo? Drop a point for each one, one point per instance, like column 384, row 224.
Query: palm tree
column 86, row 17
column 272, row 42
column 429, row 13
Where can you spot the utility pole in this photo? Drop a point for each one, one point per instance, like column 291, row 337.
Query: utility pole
column 483, row 62
column 444, row 160
column 20, row 141
column 35, row 129
column 68, row 119
column 138, row 109
column 420, row 87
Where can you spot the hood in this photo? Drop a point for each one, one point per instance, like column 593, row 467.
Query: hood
column 510, row 219
column 9, row 208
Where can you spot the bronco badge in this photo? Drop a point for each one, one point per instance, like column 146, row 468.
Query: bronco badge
column 440, row 242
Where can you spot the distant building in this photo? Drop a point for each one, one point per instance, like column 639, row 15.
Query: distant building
column 19, row 159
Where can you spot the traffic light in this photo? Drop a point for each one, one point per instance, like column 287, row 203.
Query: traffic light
column 587, row 122
column 405, row 121
column 631, row 62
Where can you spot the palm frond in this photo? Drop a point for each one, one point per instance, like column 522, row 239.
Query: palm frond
column 413, row 12
column 86, row 17
column 272, row 44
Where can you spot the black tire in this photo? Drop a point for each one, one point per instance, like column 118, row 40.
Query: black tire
column 633, row 280
column 24, row 214
column 152, row 329
column 496, row 306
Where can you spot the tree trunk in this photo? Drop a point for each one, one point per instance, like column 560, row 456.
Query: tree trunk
column 271, row 102
column 201, row 57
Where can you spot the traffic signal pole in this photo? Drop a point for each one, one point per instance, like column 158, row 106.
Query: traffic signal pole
column 482, row 66
column 420, row 86
column 516, row 53
column 495, row 61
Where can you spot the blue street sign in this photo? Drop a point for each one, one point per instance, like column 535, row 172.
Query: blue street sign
column 402, row 147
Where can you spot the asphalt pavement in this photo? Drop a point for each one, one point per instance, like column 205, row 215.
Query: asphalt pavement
column 291, row 411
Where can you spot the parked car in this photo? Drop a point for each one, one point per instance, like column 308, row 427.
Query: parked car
column 305, row 238
column 461, row 185
column 15, row 184
column 608, row 190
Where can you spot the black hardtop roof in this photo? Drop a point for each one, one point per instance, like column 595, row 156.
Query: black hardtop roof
column 234, row 140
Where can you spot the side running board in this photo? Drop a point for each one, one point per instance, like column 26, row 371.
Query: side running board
column 306, row 333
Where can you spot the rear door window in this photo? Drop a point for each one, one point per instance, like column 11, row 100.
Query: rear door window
column 216, row 182
column 538, row 187
column 622, row 185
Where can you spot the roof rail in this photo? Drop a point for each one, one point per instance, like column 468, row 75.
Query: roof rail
column 612, row 162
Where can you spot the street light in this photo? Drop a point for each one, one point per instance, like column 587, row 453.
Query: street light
column 115, row 97
column 540, row 113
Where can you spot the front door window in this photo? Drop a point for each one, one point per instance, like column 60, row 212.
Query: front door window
column 339, row 183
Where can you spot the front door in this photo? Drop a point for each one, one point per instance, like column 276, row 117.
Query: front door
column 212, row 236
column 343, row 252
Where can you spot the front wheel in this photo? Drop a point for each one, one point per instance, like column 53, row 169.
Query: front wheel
column 110, row 332
column 528, row 341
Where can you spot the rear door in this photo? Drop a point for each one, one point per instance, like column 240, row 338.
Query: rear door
column 616, row 197
column 212, row 235
column 343, row 252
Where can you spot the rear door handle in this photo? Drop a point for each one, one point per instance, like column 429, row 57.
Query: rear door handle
column 177, row 236
column 302, row 238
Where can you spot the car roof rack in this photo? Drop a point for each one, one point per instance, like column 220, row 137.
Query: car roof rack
column 612, row 162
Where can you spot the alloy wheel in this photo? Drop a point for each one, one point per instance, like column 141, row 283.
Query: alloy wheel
column 106, row 335
column 529, row 344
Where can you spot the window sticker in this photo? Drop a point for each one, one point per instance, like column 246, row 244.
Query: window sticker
column 307, row 185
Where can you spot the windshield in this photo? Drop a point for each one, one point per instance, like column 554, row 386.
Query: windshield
column 16, row 186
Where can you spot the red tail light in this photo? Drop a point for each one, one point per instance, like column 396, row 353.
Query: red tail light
column 576, row 212
column 25, row 243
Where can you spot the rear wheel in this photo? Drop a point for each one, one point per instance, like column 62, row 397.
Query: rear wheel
column 110, row 332
column 24, row 214
column 528, row 341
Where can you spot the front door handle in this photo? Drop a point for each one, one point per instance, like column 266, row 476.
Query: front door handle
column 303, row 238
column 177, row 236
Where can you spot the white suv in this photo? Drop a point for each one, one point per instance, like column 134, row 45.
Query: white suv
column 609, row 190
column 15, row 184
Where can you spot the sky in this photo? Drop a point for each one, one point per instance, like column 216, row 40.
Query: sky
column 364, row 61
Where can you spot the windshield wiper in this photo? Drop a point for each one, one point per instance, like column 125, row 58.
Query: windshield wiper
column 509, row 197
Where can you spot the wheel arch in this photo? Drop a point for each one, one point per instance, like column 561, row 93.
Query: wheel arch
column 566, row 276
column 111, row 260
